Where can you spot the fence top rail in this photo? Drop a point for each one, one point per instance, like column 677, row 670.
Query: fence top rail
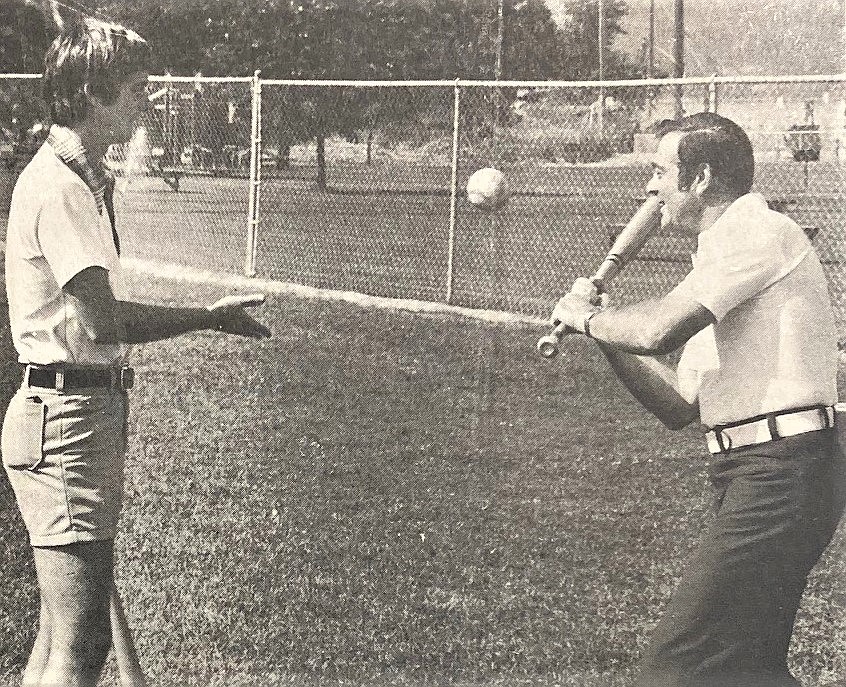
column 168, row 78
column 472, row 83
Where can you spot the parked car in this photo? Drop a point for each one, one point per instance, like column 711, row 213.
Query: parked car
column 197, row 156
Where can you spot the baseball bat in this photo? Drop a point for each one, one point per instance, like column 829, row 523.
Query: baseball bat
column 126, row 656
column 627, row 244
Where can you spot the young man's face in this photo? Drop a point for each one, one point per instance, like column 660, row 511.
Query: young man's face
column 680, row 212
column 121, row 116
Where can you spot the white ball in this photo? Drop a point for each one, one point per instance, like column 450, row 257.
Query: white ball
column 487, row 189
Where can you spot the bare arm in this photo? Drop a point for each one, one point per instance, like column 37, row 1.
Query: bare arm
column 109, row 321
column 651, row 327
column 631, row 335
column 654, row 384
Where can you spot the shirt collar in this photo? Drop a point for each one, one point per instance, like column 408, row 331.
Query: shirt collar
column 737, row 217
column 67, row 145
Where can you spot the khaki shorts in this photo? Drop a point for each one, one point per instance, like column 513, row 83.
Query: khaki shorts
column 64, row 455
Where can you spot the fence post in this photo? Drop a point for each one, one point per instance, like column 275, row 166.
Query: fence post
column 713, row 102
column 255, row 177
column 453, row 193
column 169, row 138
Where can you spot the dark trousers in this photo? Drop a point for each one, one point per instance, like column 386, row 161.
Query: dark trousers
column 731, row 618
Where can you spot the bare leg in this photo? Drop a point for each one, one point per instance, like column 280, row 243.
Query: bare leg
column 40, row 650
column 76, row 582
column 125, row 653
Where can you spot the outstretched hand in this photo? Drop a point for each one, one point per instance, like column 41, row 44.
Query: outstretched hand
column 232, row 318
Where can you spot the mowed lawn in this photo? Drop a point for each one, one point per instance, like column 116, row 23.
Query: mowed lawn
column 382, row 498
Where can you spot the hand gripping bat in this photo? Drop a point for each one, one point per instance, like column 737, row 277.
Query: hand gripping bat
column 625, row 247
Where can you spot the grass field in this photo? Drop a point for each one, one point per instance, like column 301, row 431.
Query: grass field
column 381, row 498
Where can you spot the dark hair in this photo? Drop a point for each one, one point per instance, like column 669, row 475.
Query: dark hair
column 90, row 57
column 718, row 142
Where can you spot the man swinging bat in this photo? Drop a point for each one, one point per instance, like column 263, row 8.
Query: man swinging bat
column 758, row 369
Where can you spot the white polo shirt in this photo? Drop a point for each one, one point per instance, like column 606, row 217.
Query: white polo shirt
column 774, row 344
column 55, row 231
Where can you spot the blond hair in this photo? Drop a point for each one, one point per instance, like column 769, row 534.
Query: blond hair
column 91, row 57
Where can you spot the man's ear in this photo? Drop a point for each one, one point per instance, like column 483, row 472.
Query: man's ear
column 703, row 180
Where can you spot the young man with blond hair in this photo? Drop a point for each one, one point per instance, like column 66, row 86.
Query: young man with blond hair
column 64, row 435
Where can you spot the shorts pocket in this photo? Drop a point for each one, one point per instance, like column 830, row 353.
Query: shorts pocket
column 23, row 433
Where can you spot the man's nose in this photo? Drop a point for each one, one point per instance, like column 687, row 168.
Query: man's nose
column 652, row 187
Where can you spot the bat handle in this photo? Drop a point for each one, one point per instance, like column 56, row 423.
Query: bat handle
column 548, row 345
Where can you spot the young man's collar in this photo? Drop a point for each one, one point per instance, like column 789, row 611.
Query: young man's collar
column 67, row 145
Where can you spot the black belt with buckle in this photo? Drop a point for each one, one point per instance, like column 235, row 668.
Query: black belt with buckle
column 66, row 378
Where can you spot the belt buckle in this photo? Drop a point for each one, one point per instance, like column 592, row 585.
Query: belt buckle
column 126, row 377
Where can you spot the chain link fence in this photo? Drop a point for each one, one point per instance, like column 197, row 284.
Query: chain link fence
column 359, row 185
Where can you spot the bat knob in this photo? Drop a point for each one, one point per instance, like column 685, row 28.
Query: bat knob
column 548, row 346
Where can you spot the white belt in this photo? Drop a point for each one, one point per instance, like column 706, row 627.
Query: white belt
column 773, row 426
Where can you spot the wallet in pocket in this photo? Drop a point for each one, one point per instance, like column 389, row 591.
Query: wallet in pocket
column 23, row 433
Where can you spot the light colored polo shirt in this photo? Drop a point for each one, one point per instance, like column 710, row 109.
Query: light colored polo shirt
column 774, row 344
column 55, row 231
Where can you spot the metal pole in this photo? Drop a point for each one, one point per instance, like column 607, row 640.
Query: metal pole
column 650, row 58
column 678, row 55
column 168, row 123
column 713, row 102
column 255, row 176
column 601, row 39
column 500, row 33
column 453, row 191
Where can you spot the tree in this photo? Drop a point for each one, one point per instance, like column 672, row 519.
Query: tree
column 23, row 37
column 23, row 40
column 371, row 39
column 580, row 34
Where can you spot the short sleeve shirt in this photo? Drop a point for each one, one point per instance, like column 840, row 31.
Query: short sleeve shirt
column 55, row 231
column 774, row 343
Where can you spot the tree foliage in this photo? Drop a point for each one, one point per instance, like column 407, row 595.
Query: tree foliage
column 367, row 40
column 382, row 39
column 23, row 37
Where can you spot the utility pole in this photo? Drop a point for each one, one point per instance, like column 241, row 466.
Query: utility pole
column 650, row 55
column 678, row 54
column 500, row 32
column 601, row 40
